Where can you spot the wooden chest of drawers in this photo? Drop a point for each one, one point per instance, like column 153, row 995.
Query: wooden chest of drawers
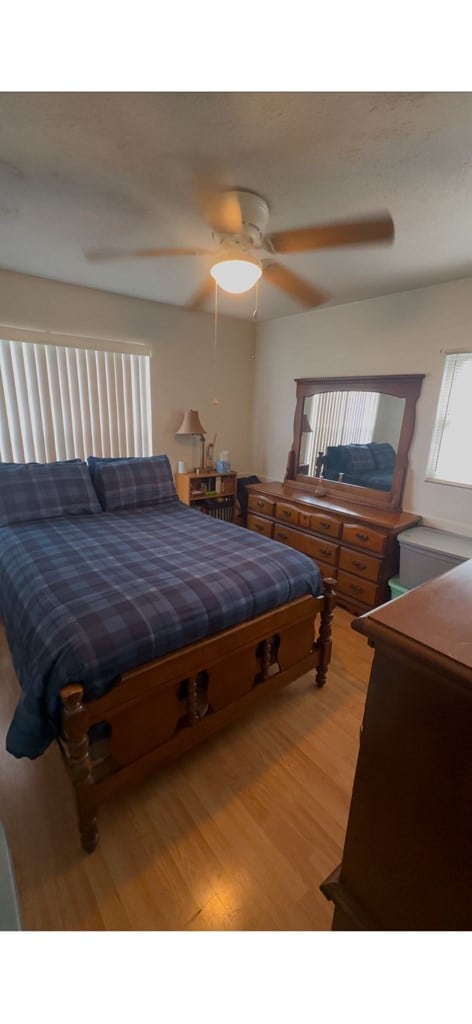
column 407, row 856
column 355, row 544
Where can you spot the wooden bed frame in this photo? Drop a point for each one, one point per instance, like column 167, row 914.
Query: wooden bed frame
column 163, row 708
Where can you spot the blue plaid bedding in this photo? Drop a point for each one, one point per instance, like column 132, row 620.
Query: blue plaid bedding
column 85, row 598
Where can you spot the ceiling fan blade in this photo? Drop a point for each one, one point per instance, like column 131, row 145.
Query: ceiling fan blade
column 294, row 285
column 219, row 206
column 228, row 212
column 202, row 294
column 329, row 236
column 97, row 255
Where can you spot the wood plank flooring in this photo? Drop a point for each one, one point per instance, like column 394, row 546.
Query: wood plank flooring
column 237, row 835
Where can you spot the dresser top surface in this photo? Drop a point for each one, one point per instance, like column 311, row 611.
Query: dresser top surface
column 436, row 615
column 360, row 513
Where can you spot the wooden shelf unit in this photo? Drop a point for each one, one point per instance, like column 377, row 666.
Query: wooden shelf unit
column 210, row 491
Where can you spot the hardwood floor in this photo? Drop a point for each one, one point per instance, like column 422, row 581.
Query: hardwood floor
column 237, row 835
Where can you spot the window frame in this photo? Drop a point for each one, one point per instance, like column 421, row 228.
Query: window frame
column 442, row 405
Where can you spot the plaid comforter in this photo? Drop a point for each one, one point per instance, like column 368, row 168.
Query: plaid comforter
column 85, row 598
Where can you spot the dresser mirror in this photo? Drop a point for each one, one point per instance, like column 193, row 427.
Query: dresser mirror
column 352, row 436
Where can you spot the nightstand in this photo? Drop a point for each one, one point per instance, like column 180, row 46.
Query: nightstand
column 209, row 491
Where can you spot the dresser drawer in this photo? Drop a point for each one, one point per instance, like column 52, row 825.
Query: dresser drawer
column 300, row 541
column 287, row 513
column 325, row 524
column 324, row 550
column 364, row 537
column 360, row 564
column 319, row 550
column 257, row 503
column 262, row 526
column 354, row 587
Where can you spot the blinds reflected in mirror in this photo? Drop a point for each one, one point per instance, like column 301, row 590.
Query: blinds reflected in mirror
column 337, row 417
column 61, row 402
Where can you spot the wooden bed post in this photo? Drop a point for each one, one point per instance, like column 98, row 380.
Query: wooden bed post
column 75, row 725
column 324, row 643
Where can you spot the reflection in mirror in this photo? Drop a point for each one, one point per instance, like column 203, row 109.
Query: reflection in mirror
column 351, row 437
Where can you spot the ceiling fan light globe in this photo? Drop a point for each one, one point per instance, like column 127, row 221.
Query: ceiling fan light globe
column 236, row 276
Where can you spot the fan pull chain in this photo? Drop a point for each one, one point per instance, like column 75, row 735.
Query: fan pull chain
column 215, row 339
column 254, row 317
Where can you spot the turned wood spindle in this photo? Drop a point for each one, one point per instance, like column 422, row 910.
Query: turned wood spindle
column 75, row 727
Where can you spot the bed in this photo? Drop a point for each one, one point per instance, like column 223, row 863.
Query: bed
column 138, row 631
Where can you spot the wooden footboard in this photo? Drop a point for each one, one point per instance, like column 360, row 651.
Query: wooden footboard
column 163, row 708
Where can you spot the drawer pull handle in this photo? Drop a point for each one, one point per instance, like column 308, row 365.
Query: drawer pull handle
column 359, row 565
column 325, row 551
column 282, row 536
column 356, row 588
column 325, row 525
column 362, row 536
column 287, row 513
column 259, row 527
column 260, row 503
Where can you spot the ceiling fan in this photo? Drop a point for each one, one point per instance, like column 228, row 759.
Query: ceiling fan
column 238, row 220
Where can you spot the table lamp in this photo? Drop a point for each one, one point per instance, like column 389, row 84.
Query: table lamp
column 191, row 426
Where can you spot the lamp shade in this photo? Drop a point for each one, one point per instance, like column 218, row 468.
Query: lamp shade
column 306, row 428
column 191, row 424
column 236, row 276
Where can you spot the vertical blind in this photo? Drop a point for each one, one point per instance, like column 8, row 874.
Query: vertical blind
column 61, row 402
column 450, row 456
column 340, row 417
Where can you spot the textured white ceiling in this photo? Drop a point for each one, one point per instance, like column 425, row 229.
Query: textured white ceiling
column 84, row 170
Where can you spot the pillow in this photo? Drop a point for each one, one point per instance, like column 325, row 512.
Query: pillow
column 132, row 483
column 35, row 490
column 384, row 455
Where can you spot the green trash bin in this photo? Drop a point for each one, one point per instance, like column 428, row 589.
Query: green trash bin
column 396, row 588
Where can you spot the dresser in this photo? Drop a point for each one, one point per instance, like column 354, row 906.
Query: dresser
column 407, row 861
column 353, row 543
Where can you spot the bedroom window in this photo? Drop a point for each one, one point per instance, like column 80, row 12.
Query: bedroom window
column 450, row 457
column 67, row 399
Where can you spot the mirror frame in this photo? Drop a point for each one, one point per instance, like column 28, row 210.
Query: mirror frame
column 407, row 386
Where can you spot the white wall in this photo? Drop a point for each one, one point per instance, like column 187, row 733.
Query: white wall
column 183, row 370
column 401, row 333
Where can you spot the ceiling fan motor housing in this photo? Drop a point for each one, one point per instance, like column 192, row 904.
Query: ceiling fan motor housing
column 254, row 215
